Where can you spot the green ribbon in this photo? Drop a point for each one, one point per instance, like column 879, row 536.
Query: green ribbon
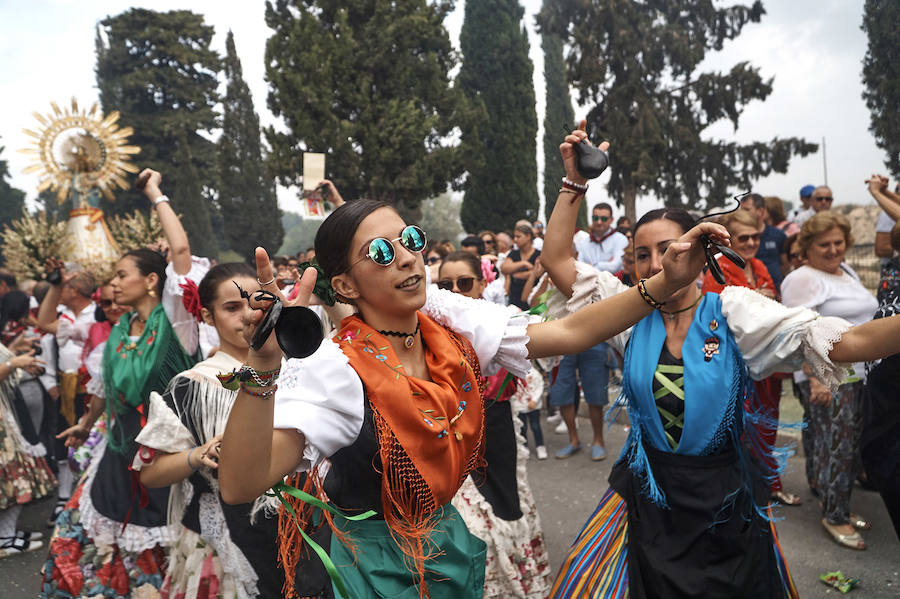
column 282, row 487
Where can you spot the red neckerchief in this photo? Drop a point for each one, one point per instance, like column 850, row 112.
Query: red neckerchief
column 602, row 239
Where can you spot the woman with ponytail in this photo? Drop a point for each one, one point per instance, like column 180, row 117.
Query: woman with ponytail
column 112, row 537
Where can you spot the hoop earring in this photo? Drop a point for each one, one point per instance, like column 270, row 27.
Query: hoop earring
column 151, row 292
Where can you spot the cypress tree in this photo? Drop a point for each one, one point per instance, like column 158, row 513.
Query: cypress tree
column 366, row 82
column 246, row 195
column 881, row 77
column 497, row 71
column 558, row 115
column 12, row 200
column 636, row 62
column 158, row 70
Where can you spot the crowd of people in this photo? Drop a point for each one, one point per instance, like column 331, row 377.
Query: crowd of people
column 186, row 452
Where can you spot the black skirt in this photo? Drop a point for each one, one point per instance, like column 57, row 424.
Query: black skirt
column 698, row 546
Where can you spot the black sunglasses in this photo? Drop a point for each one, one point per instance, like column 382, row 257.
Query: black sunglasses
column 602, row 219
column 464, row 284
column 381, row 249
column 711, row 247
column 433, row 260
column 105, row 303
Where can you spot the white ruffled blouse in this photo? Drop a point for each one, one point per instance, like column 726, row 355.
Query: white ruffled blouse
column 772, row 337
column 322, row 397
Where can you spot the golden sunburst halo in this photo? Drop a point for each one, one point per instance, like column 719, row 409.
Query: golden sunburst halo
column 74, row 141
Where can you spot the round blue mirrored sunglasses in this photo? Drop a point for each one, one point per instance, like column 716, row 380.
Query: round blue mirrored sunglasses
column 381, row 249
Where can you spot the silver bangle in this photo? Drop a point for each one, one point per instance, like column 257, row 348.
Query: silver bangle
column 261, row 284
column 160, row 200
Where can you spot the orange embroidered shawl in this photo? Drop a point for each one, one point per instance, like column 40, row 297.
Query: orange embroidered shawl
column 430, row 433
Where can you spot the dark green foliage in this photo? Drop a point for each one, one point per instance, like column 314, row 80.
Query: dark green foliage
column 366, row 82
column 497, row 71
column 246, row 195
column 636, row 62
column 881, row 76
column 559, row 118
column 12, row 200
column 158, row 71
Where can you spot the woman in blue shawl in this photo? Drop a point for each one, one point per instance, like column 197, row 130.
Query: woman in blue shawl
column 686, row 513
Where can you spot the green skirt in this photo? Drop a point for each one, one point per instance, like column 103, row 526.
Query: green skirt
column 380, row 570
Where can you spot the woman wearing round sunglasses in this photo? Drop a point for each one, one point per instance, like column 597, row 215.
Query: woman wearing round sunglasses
column 688, row 470
column 496, row 503
column 393, row 402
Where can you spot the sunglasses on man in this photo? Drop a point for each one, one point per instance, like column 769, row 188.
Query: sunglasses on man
column 827, row 199
column 381, row 249
column 464, row 284
column 602, row 219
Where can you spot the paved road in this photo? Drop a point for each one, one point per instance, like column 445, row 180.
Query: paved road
column 567, row 492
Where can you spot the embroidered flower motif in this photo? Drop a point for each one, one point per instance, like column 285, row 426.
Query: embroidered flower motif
column 191, row 299
column 467, row 387
column 381, row 357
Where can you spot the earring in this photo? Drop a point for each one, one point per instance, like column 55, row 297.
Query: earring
column 151, row 292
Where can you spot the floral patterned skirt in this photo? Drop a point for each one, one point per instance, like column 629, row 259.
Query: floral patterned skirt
column 23, row 477
column 517, row 563
column 79, row 567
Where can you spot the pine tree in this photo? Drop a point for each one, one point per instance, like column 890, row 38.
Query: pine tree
column 246, row 195
column 558, row 118
column 12, row 200
column 881, row 77
column 497, row 71
column 636, row 63
column 366, row 82
column 158, row 70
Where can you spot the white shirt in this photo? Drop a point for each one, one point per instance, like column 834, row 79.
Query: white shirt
column 801, row 216
column 606, row 255
column 840, row 295
column 71, row 333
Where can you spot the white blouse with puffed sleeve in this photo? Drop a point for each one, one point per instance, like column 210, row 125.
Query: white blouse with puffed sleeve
column 323, row 398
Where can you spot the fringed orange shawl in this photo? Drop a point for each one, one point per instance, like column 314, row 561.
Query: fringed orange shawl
column 430, row 433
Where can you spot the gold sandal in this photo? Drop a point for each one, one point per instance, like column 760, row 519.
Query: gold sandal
column 787, row 498
column 859, row 523
column 853, row 541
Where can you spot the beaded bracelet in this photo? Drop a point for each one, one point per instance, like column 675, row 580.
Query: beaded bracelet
column 642, row 289
column 269, row 391
column 569, row 184
column 190, row 453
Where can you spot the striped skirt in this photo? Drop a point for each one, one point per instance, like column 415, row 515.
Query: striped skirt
column 597, row 564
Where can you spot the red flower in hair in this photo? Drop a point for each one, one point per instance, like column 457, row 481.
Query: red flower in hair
column 191, row 299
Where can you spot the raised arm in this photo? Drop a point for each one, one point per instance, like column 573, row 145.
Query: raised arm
column 48, row 316
column 556, row 256
column 255, row 455
column 602, row 320
column 888, row 200
column 179, row 247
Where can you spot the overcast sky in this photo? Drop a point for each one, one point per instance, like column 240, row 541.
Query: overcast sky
column 813, row 49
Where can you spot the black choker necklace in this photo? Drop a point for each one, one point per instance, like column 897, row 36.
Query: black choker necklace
column 409, row 338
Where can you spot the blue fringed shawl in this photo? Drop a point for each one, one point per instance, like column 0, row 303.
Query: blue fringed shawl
column 716, row 392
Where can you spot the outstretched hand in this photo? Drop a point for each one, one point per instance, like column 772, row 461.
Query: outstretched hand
column 265, row 275
column 685, row 258
column 570, row 156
